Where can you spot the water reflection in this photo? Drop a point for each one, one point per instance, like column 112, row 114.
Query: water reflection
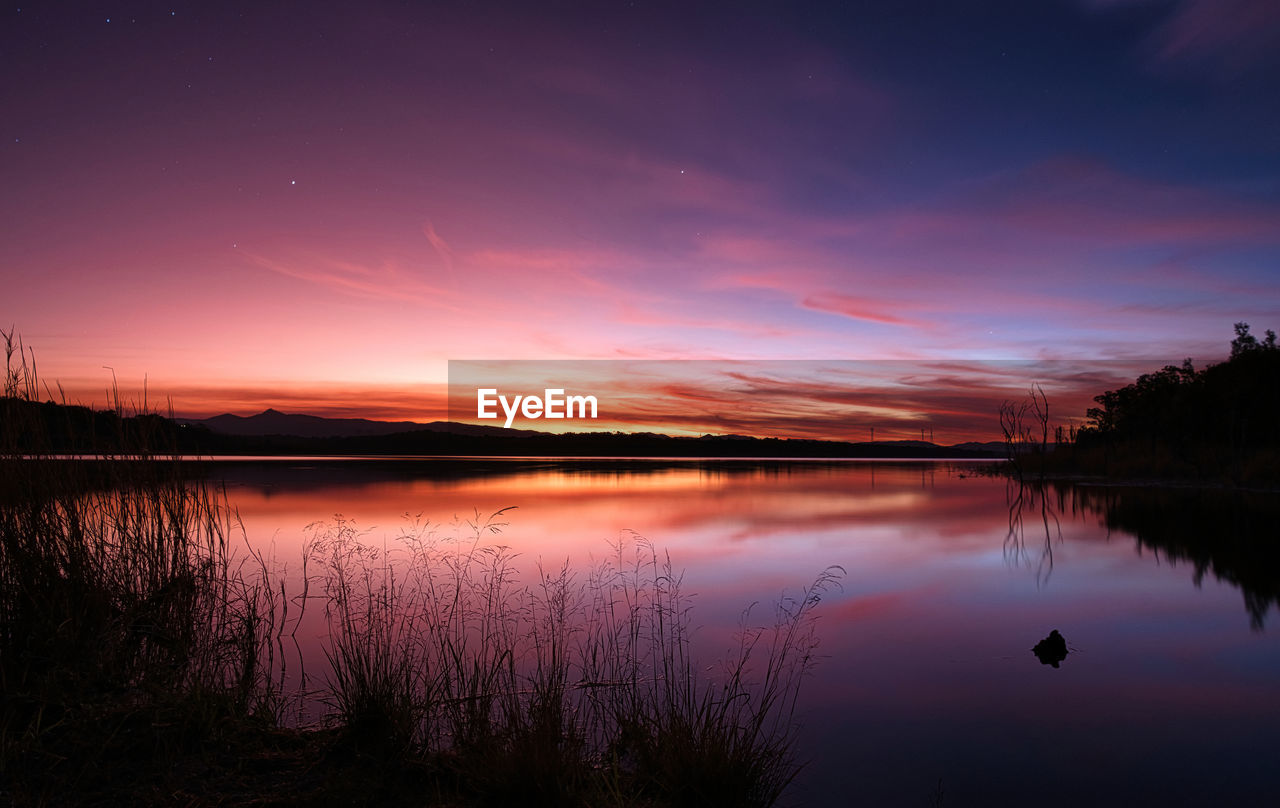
column 952, row 577
column 1228, row 534
column 1034, row 526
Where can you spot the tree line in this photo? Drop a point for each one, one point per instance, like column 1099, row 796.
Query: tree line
column 1220, row 422
column 1231, row 404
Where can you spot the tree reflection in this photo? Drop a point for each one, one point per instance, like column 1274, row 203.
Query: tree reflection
column 1227, row 533
column 1032, row 498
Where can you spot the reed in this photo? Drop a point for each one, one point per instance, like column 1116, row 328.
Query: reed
column 561, row 689
column 119, row 593
column 137, row 642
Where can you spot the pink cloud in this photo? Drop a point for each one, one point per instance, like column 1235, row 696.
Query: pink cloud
column 441, row 246
column 387, row 282
column 399, row 402
column 855, row 308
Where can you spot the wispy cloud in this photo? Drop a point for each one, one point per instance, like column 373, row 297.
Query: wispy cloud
column 1233, row 35
column 1228, row 37
column 856, row 308
column 389, row 281
column 387, row 402
column 441, row 247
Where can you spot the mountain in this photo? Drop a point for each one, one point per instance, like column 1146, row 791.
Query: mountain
column 60, row 429
column 992, row 447
column 274, row 422
column 276, row 433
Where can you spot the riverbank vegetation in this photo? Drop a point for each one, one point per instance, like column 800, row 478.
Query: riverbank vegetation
column 140, row 664
column 1217, row 424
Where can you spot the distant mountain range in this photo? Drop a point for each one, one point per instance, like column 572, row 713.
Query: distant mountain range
column 275, row 431
column 274, row 422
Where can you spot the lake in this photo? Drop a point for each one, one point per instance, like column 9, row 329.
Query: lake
column 927, row 692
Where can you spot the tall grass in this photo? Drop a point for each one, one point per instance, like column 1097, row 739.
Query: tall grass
column 131, row 634
column 119, row 592
column 565, row 687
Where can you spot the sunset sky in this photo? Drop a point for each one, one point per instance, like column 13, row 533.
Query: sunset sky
column 314, row 206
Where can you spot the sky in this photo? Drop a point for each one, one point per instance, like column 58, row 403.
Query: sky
column 315, row 206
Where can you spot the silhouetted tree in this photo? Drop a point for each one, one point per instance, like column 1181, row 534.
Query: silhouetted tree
column 1246, row 342
column 1210, row 419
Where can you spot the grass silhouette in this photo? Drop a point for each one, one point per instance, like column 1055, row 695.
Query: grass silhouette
column 138, row 652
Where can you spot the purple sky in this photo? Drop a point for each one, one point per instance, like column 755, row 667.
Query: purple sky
column 314, row 206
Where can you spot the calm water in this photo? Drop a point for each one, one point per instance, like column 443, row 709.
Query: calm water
column 1166, row 598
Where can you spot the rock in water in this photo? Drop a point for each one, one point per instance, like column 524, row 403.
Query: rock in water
column 1051, row 650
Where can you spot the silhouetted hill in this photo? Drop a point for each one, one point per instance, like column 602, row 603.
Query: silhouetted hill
column 45, row 427
column 460, row 439
column 274, row 432
column 77, row 429
column 994, row 448
column 274, row 422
